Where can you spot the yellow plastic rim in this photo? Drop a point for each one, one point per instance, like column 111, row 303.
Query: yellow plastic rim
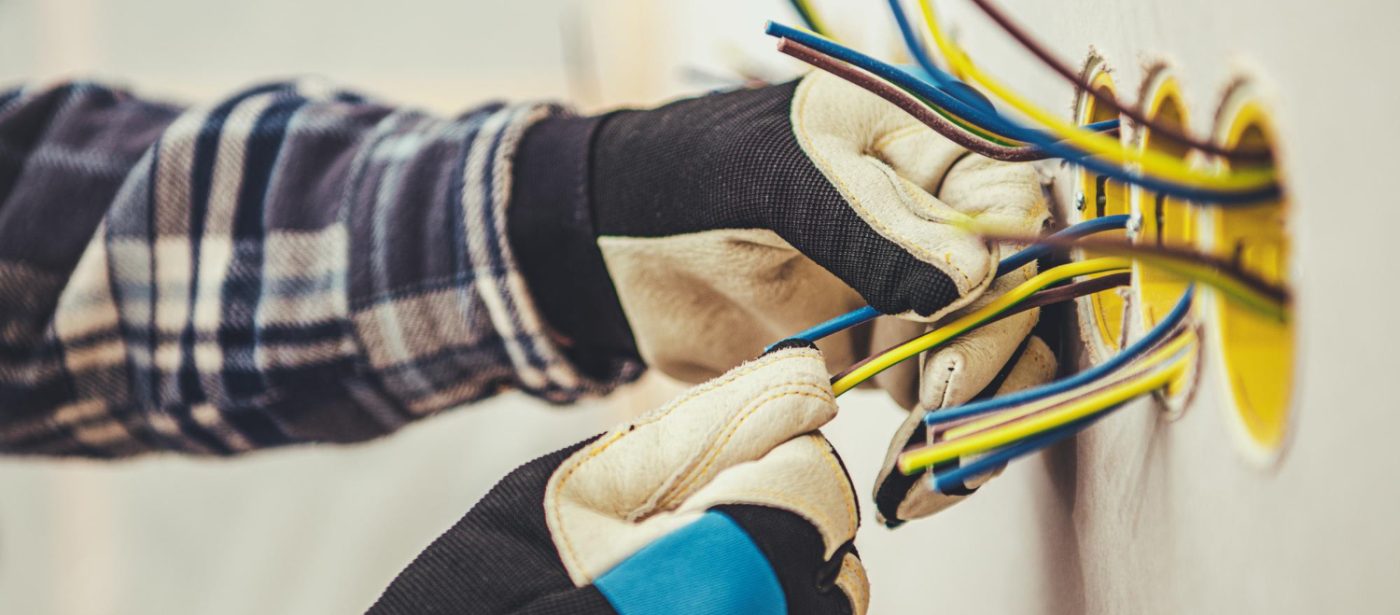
column 1256, row 352
column 1164, row 221
column 1106, row 308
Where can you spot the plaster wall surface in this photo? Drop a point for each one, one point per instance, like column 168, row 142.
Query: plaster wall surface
column 1143, row 515
column 1137, row 515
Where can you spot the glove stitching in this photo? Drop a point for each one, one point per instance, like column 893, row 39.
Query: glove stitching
column 955, row 367
column 898, row 134
column 829, row 457
column 850, row 565
column 744, row 370
column 577, row 461
column 995, row 212
column 938, row 190
column 711, row 453
column 851, row 199
column 797, row 504
column 554, row 510
column 911, row 200
column 947, row 379
column 803, row 507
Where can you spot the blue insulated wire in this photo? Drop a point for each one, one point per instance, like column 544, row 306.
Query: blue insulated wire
column 1087, row 227
column 1000, row 125
column 1103, row 125
column 949, row 83
column 1152, row 338
column 1010, row 263
column 943, row 80
column 957, row 477
column 835, row 325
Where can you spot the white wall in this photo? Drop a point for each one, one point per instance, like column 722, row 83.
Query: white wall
column 1138, row 515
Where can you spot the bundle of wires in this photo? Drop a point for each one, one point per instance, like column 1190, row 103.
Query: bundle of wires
column 998, row 309
column 985, row 434
column 1043, row 289
column 1009, row 264
column 1227, row 277
column 960, row 112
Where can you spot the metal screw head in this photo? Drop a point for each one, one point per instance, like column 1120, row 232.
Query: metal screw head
column 1134, row 224
column 1079, row 200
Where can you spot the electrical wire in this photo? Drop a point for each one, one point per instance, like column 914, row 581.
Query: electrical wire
column 1071, row 291
column 1266, row 298
column 1008, row 264
column 960, row 112
column 921, row 110
column 941, row 481
column 1155, row 335
column 1159, row 370
column 953, row 129
column 835, row 325
column 974, row 319
column 946, row 82
column 959, row 109
column 1050, row 296
column 955, row 478
column 809, row 16
column 1167, row 352
column 911, row 105
column 1106, row 97
column 1083, row 229
column 1151, row 161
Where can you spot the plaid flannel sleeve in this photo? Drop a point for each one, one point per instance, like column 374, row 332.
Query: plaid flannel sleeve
column 293, row 264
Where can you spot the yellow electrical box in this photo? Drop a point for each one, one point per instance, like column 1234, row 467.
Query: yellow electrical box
column 1256, row 351
column 1097, row 197
column 1165, row 221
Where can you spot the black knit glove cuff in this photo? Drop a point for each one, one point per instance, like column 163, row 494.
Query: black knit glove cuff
column 552, row 234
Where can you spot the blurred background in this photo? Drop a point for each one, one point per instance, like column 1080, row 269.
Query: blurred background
column 324, row 529
column 1137, row 515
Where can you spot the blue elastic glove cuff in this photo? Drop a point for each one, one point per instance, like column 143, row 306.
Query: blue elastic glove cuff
column 710, row 567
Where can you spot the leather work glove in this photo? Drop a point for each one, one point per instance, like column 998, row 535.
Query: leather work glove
column 726, row 500
column 975, row 365
column 730, row 221
column 707, row 254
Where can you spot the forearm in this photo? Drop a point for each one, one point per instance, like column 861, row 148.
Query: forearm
column 291, row 265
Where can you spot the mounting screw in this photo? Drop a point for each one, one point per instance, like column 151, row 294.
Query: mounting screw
column 1079, row 199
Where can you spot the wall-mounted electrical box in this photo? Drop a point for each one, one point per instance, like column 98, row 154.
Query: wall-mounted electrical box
column 1255, row 352
column 1097, row 196
column 1162, row 220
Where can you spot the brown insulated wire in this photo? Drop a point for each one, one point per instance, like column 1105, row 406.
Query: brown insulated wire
column 1106, row 97
column 1058, row 294
column 908, row 104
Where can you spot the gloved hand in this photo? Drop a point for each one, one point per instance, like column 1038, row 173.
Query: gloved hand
column 975, row 365
column 732, row 220
column 726, row 500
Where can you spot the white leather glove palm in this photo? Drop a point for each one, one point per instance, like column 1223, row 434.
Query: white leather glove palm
column 725, row 500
